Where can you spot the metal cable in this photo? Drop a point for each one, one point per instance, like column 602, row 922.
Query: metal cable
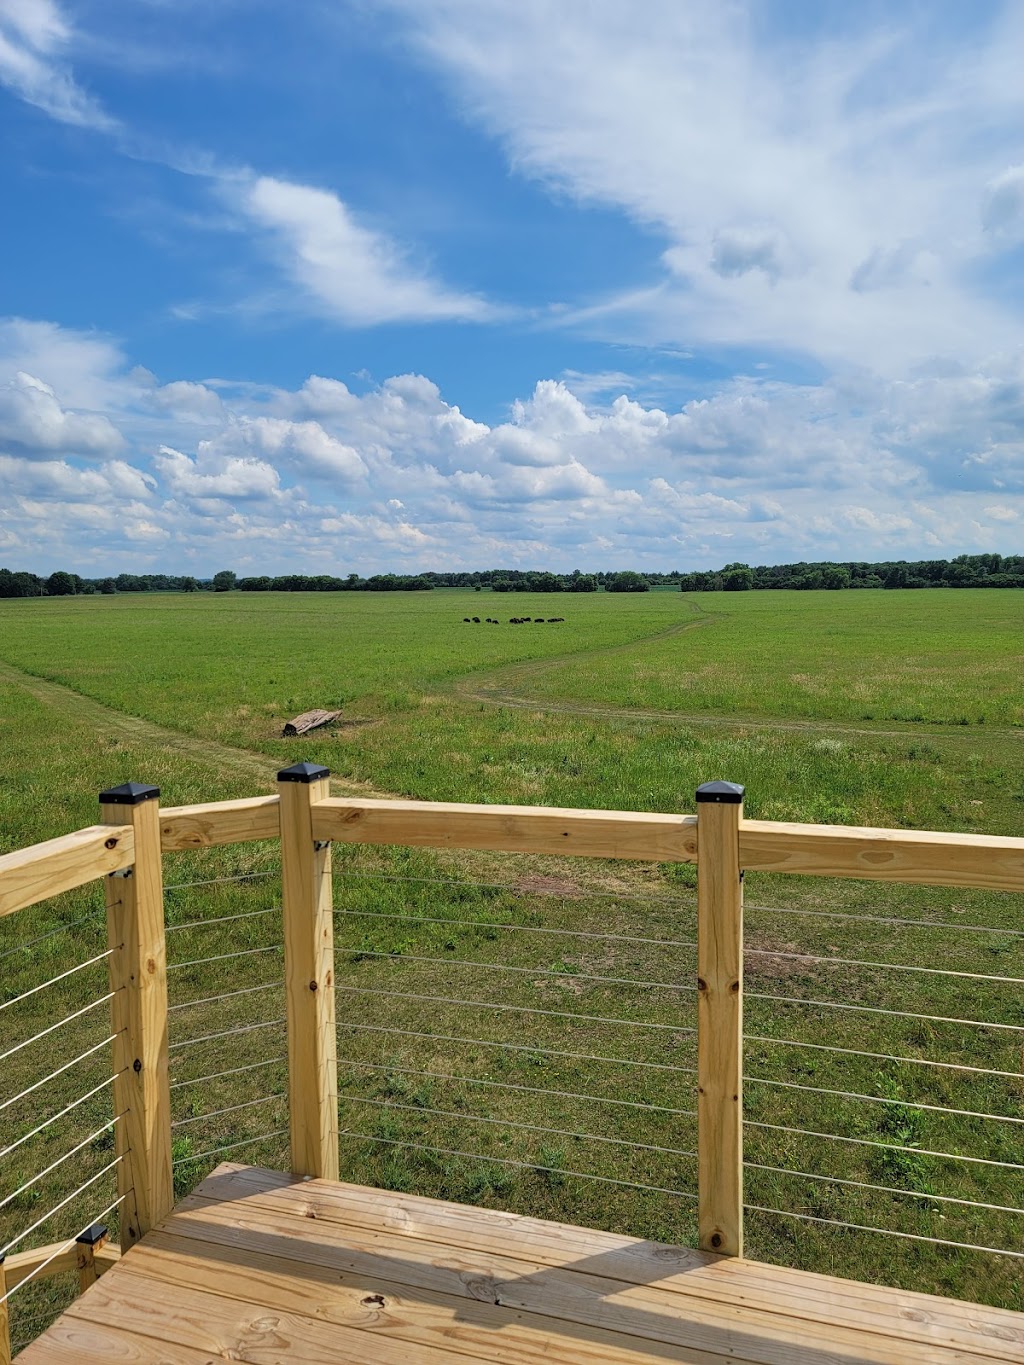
column 60, row 929
column 518, row 1009
column 523, row 971
column 60, row 1160
column 221, row 919
column 234, row 1071
column 883, row 1189
column 876, row 1009
column 883, row 1056
column 885, row 919
column 61, row 1249
column 887, row 1232
column 107, row 1080
column 227, row 995
column 60, row 1070
column 224, row 957
column 60, row 1024
column 100, row 957
column 221, row 881
column 510, row 1123
column 525, row 1089
column 885, row 1146
column 522, row 1165
column 63, row 1203
column 881, row 1099
column 231, row 1109
column 520, row 928
column 519, row 1047
column 225, row 1033
column 887, row 966
column 499, row 886
column 229, row 1147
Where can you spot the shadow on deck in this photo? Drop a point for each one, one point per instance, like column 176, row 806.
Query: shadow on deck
column 264, row 1267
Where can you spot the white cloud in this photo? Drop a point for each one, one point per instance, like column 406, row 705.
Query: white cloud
column 34, row 38
column 356, row 274
column 32, row 421
column 820, row 187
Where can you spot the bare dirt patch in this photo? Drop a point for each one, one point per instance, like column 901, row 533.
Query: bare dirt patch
column 537, row 885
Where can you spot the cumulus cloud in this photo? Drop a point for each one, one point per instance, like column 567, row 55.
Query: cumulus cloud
column 34, row 42
column 32, row 421
column 358, row 275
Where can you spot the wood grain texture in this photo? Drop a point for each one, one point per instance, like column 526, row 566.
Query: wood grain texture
column 308, row 908
column 260, row 1266
column 30, row 875
column 719, row 1030
column 926, row 858
column 138, row 1020
column 219, row 822
column 511, row 829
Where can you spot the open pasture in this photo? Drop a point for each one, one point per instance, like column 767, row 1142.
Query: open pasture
column 495, row 1011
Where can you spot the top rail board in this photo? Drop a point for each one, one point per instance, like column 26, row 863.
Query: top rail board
column 219, row 822
column 30, row 875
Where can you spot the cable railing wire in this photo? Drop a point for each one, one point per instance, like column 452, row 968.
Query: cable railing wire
column 883, row 1099
column 112, row 1165
column 525, row 1089
column 229, row 1147
column 519, row 928
column 221, row 881
column 518, row 1047
column 517, row 1009
column 224, row 957
column 230, row 1109
column 885, row 1146
column 882, row 1056
column 59, row 1024
column 886, row 1232
column 877, row 1009
column 232, row 1071
column 60, row 1071
column 60, row 1161
column 107, row 1080
column 522, row 971
column 100, row 957
column 51, row 933
column 522, row 1165
column 516, row 1124
column 882, row 1189
column 226, row 995
column 887, row 919
column 886, row 966
column 221, row 919
column 33, row 1274
column 224, row 1033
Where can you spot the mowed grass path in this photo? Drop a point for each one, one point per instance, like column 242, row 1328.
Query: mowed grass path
column 233, row 667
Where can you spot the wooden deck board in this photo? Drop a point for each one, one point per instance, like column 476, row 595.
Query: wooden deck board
column 263, row 1267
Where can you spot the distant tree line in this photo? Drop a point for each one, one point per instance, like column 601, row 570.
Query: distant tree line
column 966, row 571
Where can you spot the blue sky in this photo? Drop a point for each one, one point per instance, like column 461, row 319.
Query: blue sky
column 439, row 284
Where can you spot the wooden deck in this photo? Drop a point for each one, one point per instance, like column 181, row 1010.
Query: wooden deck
column 263, row 1267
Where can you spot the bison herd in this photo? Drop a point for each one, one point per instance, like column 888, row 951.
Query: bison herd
column 514, row 620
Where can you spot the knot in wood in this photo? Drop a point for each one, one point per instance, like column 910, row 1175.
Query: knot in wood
column 312, row 986
column 702, row 985
column 110, row 843
column 716, row 1239
column 137, row 1065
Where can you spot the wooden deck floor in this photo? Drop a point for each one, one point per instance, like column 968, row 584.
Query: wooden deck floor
column 261, row 1267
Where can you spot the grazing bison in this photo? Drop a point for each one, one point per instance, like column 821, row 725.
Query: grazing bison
column 466, row 618
column 476, row 620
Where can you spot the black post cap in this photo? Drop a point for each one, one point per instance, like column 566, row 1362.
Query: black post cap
column 303, row 772
column 128, row 794
column 93, row 1234
column 723, row 793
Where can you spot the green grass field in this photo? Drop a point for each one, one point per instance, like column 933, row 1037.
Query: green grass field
column 877, row 707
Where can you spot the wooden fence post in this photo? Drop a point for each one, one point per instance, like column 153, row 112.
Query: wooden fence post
column 138, row 1012
column 308, row 905
column 5, row 1318
column 719, row 1019
column 88, row 1243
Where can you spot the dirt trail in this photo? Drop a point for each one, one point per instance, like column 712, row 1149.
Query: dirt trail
column 509, row 686
column 257, row 768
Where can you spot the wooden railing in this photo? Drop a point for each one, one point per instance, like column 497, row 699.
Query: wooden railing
column 126, row 851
